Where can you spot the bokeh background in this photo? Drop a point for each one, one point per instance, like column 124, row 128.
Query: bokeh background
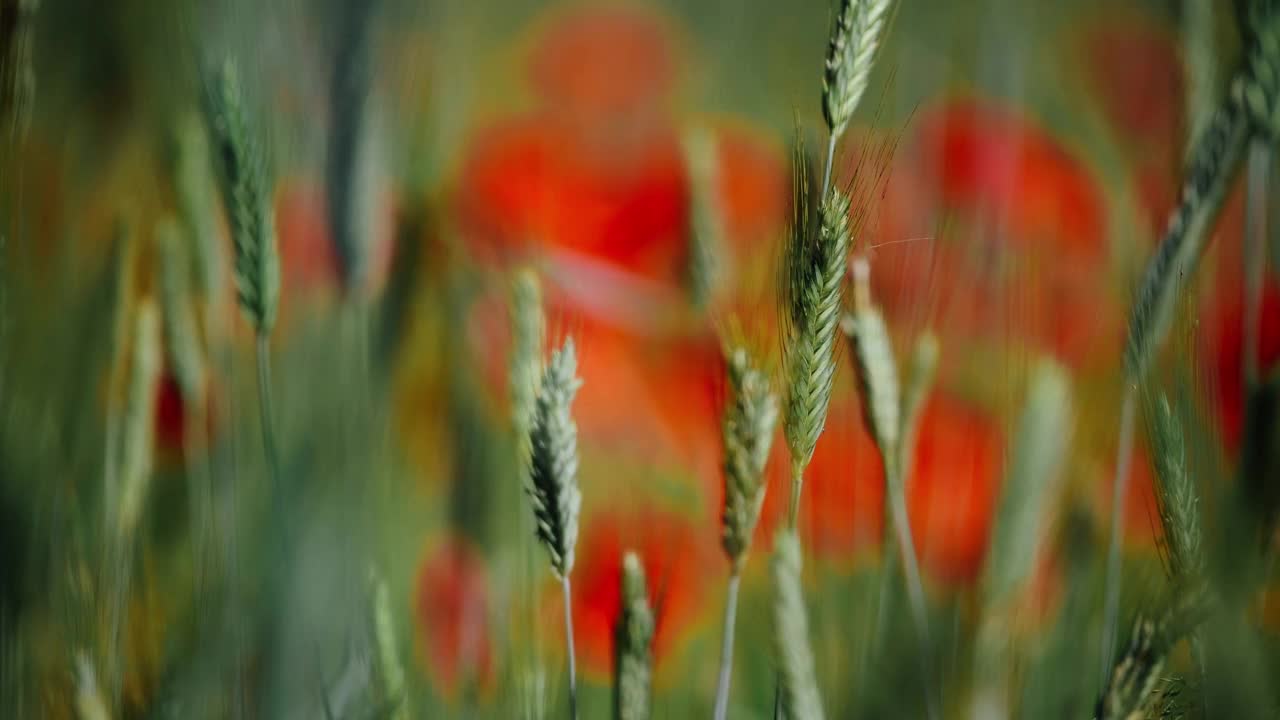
column 1013, row 164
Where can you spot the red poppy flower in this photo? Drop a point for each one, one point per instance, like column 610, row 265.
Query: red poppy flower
column 842, row 501
column 604, row 63
column 953, row 488
column 1028, row 255
column 1135, row 69
column 172, row 416
column 453, row 616
column 674, row 554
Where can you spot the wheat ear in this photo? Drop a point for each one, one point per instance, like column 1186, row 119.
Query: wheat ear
column 797, row 684
column 814, row 284
column 246, row 196
column 851, row 54
column 633, row 640
column 553, row 481
column 528, row 332
column 749, row 421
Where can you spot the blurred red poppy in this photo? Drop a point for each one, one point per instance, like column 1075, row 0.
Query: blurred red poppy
column 953, row 488
column 674, row 553
column 596, row 171
column 842, row 501
column 172, row 418
column 452, row 604
column 1029, row 254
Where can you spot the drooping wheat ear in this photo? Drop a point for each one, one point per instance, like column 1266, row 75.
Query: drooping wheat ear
column 553, row 467
column 750, row 416
column 390, row 669
column 246, row 196
column 633, row 642
column 875, row 367
column 90, row 704
column 137, row 438
column 185, row 354
column 528, row 330
column 797, row 681
column 195, row 194
column 349, row 186
column 814, row 282
column 1031, row 483
column 1177, row 500
column 851, row 53
column 706, row 228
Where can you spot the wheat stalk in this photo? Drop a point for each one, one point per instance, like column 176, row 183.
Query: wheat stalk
column 553, row 480
column 797, row 685
column 17, row 79
column 348, row 183
column 706, row 227
column 185, row 354
column 881, row 404
column 528, row 332
column 390, row 669
column 138, row 430
column 194, row 194
column 633, row 640
column 814, row 282
column 750, row 416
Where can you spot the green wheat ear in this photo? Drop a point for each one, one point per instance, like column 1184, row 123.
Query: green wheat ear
column 875, row 367
column 851, row 54
column 194, row 194
column 797, row 685
column 241, row 159
column 633, row 638
column 706, row 227
column 390, row 669
column 528, row 330
column 1177, row 500
column 750, row 416
column 553, row 466
column 814, row 284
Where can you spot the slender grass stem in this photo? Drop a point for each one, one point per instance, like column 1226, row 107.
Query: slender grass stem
column 726, row 647
column 568, row 641
column 1119, row 488
column 915, row 585
column 1254, row 255
column 793, row 505
column 264, row 405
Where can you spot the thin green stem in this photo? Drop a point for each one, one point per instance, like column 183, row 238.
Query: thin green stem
column 264, row 405
column 1119, row 487
column 1254, row 255
column 826, row 169
column 726, row 647
column 568, row 635
column 793, row 507
column 911, row 572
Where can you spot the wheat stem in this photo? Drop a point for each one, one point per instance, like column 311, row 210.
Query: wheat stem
column 568, row 639
column 726, row 647
column 265, row 412
column 1119, row 492
column 1254, row 254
